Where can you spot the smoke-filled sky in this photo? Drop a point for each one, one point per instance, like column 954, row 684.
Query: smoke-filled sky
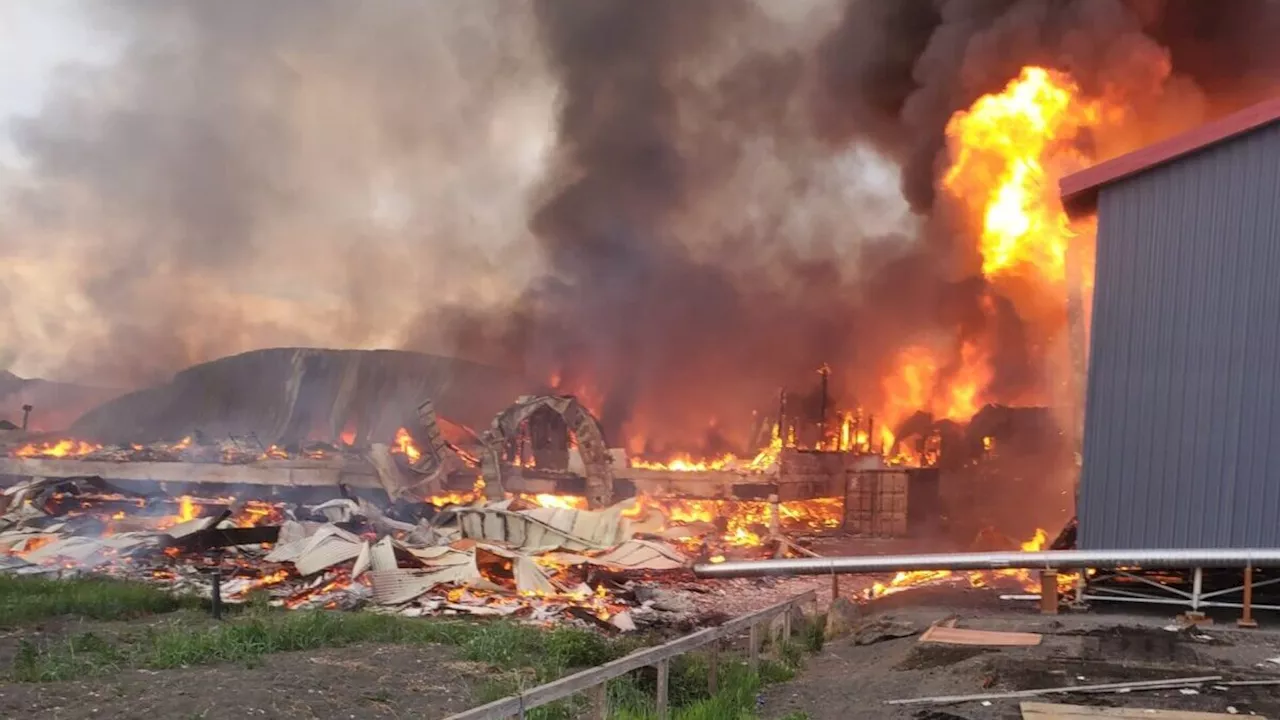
column 237, row 174
column 660, row 202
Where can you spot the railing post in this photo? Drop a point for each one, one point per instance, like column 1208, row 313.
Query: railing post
column 713, row 669
column 664, row 669
column 600, row 701
column 753, row 652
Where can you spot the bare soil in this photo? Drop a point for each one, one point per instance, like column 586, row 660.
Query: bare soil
column 851, row 681
column 360, row 681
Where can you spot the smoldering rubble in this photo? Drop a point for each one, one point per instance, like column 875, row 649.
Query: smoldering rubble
column 496, row 559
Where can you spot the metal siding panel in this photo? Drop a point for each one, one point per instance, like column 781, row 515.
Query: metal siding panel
column 1183, row 373
column 1263, row 421
column 1167, row 371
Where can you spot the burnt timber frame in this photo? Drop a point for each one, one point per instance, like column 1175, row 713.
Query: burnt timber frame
column 329, row 476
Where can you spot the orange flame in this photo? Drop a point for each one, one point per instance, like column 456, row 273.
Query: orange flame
column 764, row 460
column 1007, row 151
column 1000, row 148
column 404, row 445
column 59, row 449
column 907, row 580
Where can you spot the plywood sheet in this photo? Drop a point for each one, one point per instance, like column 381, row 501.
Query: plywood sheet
column 962, row 636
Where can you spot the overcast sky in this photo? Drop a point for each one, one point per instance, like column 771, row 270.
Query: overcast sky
column 36, row 36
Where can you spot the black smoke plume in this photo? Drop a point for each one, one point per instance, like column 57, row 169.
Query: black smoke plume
column 895, row 72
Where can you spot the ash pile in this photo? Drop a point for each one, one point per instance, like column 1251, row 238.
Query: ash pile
column 508, row 558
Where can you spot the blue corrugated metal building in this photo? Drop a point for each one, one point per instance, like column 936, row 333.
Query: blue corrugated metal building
column 1182, row 415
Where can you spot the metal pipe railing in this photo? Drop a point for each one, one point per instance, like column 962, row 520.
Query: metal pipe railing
column 1046, row 560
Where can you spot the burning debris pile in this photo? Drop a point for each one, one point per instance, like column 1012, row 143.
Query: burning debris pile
column 230, row 451
column 511, row 558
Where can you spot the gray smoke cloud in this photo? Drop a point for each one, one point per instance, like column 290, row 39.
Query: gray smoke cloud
column 250, row 175
column 703, row 244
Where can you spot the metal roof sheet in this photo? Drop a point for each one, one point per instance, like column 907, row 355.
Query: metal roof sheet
column 1079, row 190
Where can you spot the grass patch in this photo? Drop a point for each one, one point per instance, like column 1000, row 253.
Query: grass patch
column 522, row 656
column 24, row 600
column 250, row 637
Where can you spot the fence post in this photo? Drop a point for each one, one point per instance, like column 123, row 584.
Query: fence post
column 664, row 669
column 599, row 696
column 713, row 668
column 753, row 652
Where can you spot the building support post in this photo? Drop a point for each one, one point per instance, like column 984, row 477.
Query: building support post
column 1194, row 616
column 1246, row 606
column 1049, row 592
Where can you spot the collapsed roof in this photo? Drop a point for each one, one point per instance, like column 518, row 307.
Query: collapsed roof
column 283, row 396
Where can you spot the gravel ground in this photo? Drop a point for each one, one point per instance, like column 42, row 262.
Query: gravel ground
column 851, row 681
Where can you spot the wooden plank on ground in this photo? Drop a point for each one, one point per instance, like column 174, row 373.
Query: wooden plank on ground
column 1050, row 711
column 963, row 636
column 1135, row 685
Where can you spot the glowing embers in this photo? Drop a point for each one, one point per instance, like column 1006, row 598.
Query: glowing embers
column 231, row 450
column 765, row 460
column 702, row 525
column 57, row 449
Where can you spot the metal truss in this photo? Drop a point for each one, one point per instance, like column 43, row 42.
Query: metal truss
column 1155, row 592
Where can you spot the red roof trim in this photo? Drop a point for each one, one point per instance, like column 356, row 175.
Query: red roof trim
column 1080, row 190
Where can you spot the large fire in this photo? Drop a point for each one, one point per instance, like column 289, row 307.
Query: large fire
column 1007, row 149
column 1007, row 152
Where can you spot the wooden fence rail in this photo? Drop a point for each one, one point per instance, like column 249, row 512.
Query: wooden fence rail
column 596, row 679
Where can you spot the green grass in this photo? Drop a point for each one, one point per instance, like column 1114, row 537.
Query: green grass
column 25, row 600
column 250, row 637
column 631, row 697
column 522, row 656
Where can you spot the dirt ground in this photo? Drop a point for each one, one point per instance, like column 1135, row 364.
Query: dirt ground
column 358, row 681
column 363, row 681
column 852, row 681
column 846, row 680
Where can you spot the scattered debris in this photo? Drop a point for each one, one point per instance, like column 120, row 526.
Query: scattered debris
column 882, row 629
column 503, row 558
column 841, row 617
